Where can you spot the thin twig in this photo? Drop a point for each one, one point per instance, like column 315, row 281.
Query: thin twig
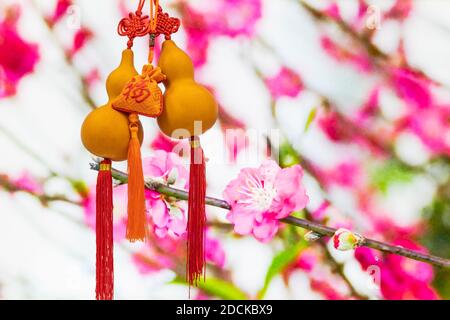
column 381, row 59
column 302, row 223
column 45, row 199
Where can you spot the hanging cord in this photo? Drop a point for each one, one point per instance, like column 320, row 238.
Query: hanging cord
column 154, row 10
column 134, row 25
column 138, row 25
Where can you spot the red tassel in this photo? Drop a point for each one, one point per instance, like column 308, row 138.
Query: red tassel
column 197, row 217
column 104, row 232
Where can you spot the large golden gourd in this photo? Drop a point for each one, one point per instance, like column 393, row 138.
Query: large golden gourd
column 105, row 132
column 185, row 101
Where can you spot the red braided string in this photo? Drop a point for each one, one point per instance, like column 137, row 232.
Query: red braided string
column 166, row 25
column 138, row 25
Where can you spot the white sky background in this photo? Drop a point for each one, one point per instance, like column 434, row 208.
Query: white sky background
column 48, row 253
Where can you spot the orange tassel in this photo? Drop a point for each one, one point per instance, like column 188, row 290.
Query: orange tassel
column 104, row 233
column 137, row 223
column 196, row 214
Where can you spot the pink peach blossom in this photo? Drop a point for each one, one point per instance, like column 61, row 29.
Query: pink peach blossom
column 168, row 215
column 412, row 88
column 214, row 251
column 401, row 278
column 202, row 25
column 307, row 260
column 333, row 11
column 259, row 197
column 285, row 83
column 370, row 108
column 432, row 127
column 17, row 58
column 347, row 174
column 400, row 10
column 80, row 39
column 25, row 181
column 359, row 59
column 241, row 17
column 59, row 11
column 169, row 252
column 163, row 142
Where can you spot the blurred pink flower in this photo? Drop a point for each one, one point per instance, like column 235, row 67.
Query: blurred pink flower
column 333, row 11
column 346, row 174
column 169, row 253
column 240, row 18
column 401, row 278
column 320, row 214
column 285, row 83
column 362, row 9
column 214, row 251
column 59, row 11
column 197, row 36
column 370, row 108
column 92, row 78
column 17, row 58
column 259, row 197
column 168, row 215
column 202, row 25
column 334, row 127
column 307, row 260
column 158, row 254
column 26, row 181
column 412, row 88
column 163, row 142
column 322, row 279
column 81, row 37
column 326, row 288
column 432, row 127
column 360, row 59
column 400, row 10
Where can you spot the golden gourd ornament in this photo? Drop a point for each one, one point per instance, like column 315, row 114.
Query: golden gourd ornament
column 113, row 132
column 189, row 111
column 188, row 105
column 105, row 133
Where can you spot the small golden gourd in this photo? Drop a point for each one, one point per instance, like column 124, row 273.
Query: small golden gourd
column 185, row 101
column 105, row 132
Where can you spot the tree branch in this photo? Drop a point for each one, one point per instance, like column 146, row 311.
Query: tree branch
column 302, row 223
column 381, row 59
column 9, row 186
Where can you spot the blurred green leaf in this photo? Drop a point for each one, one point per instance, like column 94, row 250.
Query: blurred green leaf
column 437, row 238
column 279, row 263
column 80, row 187
column 217, row 288
column 311, row 117
column 288, row 156
column 390, row 173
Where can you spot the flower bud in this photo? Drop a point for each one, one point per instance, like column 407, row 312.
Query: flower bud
column 312, row 236
column 345, row 240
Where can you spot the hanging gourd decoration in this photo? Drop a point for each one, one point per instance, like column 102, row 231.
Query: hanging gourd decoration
column 189, row 109
column 106, row 133
column 141, row 95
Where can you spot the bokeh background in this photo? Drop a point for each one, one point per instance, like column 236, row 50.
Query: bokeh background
column 357, row 92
